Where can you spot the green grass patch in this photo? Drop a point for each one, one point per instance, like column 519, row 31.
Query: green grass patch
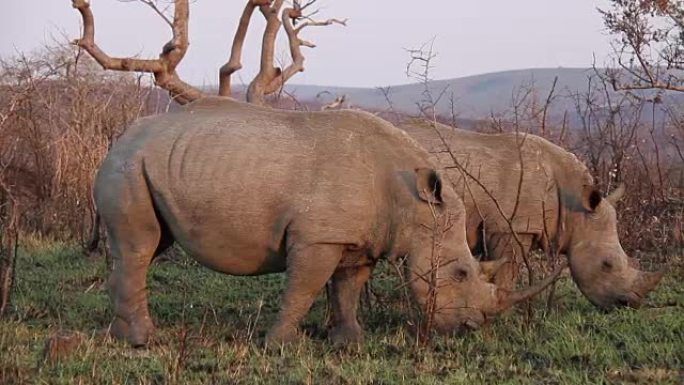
column 211, row 328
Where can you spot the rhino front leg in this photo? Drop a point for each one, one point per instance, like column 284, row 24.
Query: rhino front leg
column 504, row 245
column 308, row 269
column 347, row 284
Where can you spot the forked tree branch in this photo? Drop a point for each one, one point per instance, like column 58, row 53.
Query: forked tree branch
column 163, row 68
column 335, row 104
column 297, row 65
column 617, row 86
column 271, row 78
column 234, row 63
column 649, row 36
column 267, row 70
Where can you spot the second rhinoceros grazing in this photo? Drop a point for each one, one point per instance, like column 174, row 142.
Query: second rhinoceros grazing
column 555, row 203
column 247, row 190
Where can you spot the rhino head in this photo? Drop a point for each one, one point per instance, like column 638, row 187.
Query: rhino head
column 600, row 267
column 446, row 279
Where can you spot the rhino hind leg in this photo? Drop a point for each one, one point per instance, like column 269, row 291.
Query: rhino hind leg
column 134, row 234
column 308, row 269
column 347, row 284
column 504, row 245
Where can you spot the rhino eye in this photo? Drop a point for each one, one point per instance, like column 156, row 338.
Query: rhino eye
column 460, row 275
column 606, row 266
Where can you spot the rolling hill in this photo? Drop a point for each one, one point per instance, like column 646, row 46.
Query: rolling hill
column 476, row 97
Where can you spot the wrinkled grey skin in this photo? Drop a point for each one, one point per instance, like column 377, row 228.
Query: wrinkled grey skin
column 247, row 190
column 578, row 221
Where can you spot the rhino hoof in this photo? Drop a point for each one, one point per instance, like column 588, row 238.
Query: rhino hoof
column 136, row 333
column 346, row 335
column 278, row 337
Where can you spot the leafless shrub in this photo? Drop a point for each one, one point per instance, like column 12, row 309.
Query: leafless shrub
column 440, row 226
column 649, row 58
column 624, row 139
column 419, row 69
column 8, row 227
column 65, row 113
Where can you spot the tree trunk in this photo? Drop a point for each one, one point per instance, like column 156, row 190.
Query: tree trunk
column 8, row 252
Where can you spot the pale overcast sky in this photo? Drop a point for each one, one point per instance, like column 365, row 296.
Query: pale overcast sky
column 472, row 37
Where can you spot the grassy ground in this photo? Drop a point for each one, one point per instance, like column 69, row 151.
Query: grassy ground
column 211, row 330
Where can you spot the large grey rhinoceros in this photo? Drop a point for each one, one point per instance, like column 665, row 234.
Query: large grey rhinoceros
column 247, row 190
column 558, row 205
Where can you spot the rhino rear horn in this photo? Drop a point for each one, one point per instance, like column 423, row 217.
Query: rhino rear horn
column 614, row 197
column 488, row 269
column 647, row 281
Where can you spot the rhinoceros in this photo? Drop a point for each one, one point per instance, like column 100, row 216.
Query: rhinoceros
column 248, row 190
column 557, row 204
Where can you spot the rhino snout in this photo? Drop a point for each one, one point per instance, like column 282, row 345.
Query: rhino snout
column 470, row 325
column 459, row 323
column 631, row 299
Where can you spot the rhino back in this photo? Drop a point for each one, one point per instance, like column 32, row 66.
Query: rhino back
column 495, row 161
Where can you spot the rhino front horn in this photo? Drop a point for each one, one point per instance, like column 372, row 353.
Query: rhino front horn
column 647, row 281
column 506, row 298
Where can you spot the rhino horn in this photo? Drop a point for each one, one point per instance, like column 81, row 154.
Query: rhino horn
column 614, row 197
column 507, row 298
column 647, row 281
column 488, row 269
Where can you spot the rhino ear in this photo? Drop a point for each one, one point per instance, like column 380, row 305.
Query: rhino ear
column 429, row 185
column 591, row 197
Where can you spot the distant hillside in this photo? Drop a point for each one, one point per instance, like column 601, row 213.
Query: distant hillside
column 476, row 97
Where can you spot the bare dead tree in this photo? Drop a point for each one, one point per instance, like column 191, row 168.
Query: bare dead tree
column 8, row 215
column 269, row 79
column 336, row 104
column 649, row 44
column 9, row 243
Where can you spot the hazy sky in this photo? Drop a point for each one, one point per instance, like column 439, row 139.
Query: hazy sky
column 472, row 37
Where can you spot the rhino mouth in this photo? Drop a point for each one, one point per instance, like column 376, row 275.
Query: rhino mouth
column 633, row 299
column 473, row 320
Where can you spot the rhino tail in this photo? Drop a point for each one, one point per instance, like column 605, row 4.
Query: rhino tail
column 95, row 237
